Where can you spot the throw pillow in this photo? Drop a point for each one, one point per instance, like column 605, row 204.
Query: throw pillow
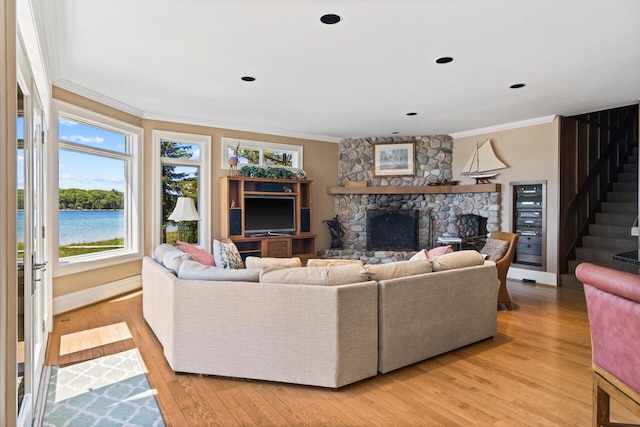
column 161, row 250
column 226, row 254
column 459, row 259
column 439, row 250
column 191, row 270
column 322, row 262
column 421, row 255
column 324, row 276
column 257, row 262
column 494, row 249
column 393, row 270
column 173, row 259
column 202, row 256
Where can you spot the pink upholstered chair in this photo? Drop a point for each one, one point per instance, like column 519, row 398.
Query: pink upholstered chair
column 613, row 306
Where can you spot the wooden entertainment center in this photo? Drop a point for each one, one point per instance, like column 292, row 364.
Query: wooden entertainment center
column 298, row 241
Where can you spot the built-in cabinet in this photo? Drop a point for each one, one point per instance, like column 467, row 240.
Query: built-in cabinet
column 529, row 222
column 267, row 217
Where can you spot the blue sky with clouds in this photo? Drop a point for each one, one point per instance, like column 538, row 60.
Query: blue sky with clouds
column 86, row 171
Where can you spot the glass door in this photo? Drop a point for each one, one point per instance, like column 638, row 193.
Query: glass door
column 32, row 308
column 37, row 194
column 24, row 275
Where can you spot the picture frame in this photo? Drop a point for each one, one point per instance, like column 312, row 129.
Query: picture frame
column 394, row 159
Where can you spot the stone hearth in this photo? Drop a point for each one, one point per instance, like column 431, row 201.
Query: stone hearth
column 438, row 214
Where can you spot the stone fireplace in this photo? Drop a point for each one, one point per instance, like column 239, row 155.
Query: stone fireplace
column 438, row 214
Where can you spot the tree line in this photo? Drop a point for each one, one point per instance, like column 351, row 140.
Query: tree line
column 74, row 198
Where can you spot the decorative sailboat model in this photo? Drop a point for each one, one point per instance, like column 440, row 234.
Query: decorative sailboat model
column 482, row 163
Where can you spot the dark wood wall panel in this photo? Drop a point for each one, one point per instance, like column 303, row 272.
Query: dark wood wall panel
column 568, row 184
column 592, row 148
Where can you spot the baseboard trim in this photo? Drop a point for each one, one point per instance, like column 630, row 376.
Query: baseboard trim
column 541, row 277
column 92, row 295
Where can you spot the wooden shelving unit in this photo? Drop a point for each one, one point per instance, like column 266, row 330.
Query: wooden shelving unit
column 417, row 189
column 301, row 243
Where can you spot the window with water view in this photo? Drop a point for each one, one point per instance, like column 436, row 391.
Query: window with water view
column 97, row 170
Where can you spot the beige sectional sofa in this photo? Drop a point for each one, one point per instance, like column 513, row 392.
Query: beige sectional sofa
column 316, row 335
column 323, row 326
column 429, row 314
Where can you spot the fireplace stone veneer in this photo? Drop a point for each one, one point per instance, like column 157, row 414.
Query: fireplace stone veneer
column 437, row 216
column 437, row 213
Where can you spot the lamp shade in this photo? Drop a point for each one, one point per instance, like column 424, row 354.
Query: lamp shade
column 185, row 210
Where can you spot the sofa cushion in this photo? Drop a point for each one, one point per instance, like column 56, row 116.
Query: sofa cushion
column 202, row 256
column 494, row 249
column 421, row 255
column 161, row 250
column 173, row 259
column 193, row 270
column 392, row 270
column 258, row 262
column 328, row 276
column 428, row 254
column 458, row 259
column 321, row 262
column 226, row 254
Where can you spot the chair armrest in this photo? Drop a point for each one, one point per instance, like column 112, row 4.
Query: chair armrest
column 620, row 283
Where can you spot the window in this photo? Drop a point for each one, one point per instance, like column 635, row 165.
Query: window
column 261, row 153
column 99, row 195
column 182, row 170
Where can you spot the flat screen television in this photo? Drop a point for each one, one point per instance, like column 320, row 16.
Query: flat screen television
column 269, row 215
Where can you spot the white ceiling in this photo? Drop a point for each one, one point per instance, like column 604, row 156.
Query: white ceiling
column 183, row 61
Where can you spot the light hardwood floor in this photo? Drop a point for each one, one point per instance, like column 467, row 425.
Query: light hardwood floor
column 534, row 372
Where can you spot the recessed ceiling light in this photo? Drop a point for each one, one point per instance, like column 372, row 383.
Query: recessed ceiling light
column 517, row 85
column 444, row 60
column 330, row 19
column 412, row 114
column 248, row 79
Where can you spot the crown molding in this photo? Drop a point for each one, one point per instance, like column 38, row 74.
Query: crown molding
column 243, row 128
column 47, row 33
column 506, row 126
column 110, row 102
column 98, row 97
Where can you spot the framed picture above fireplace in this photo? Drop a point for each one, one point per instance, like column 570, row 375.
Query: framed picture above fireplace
column 396, row 159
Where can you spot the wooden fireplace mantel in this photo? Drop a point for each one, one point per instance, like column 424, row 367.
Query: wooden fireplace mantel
column 417, row 189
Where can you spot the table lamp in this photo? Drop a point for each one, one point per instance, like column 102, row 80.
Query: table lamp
column 184, row 211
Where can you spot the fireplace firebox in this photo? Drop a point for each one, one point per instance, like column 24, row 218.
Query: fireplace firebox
column 472, row 229
column 392, row 230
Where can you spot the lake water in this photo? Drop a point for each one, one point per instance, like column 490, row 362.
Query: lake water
column 84, row 226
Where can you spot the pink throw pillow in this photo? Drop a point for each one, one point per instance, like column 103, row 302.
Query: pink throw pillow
column 439, row 250
column 203, row 257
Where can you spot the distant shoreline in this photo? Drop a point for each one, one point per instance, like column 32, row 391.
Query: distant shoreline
column 82, row 226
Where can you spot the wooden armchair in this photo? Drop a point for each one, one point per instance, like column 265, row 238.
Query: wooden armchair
column 613, row 306
column 503, row 265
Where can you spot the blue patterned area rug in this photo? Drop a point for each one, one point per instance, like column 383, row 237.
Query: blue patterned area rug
column 108, row 391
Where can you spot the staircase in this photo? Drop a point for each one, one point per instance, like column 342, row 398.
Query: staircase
column 611, row 233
